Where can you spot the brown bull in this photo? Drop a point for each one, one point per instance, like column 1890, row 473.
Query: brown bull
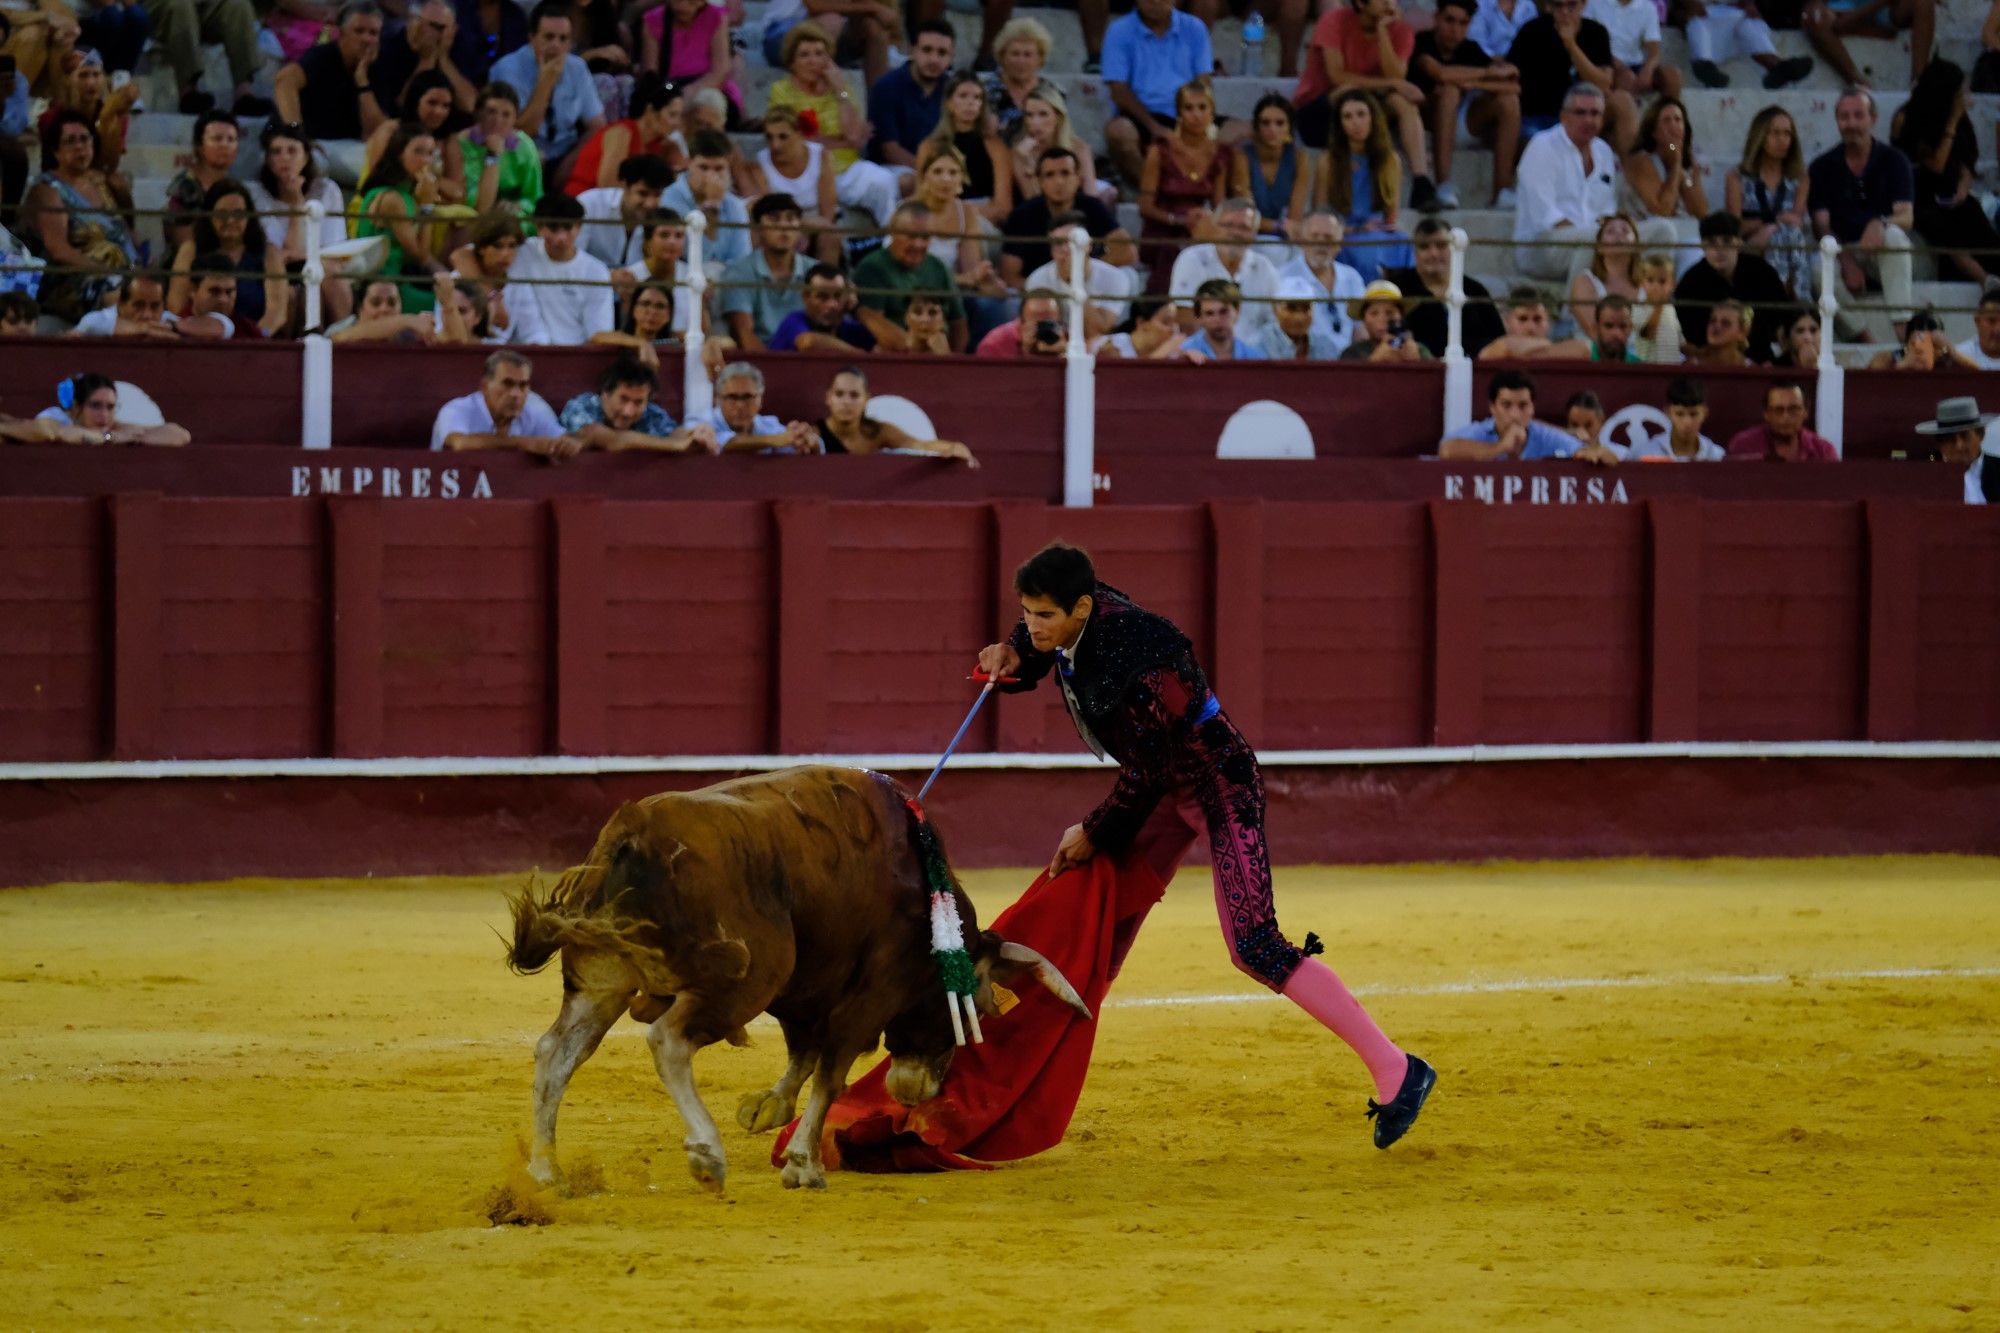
column 800, row 894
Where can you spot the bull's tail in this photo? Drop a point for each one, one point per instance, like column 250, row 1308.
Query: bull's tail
column 545, row 922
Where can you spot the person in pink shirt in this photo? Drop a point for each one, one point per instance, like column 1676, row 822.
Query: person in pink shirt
column 1040, row 331
column 1365, row 44
column 1783, row 438
column 686, row 42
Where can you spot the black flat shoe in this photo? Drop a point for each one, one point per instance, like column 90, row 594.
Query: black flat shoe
column 1393, row 1119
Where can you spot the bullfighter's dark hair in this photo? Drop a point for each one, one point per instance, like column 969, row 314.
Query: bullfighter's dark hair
column 1059, row 572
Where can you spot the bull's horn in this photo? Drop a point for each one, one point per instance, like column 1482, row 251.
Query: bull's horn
column 1048, row 974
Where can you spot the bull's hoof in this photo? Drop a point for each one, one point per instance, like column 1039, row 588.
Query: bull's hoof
column 761, row 1111
column 705, row 1164
column 544, row 1172
column 802, row 1175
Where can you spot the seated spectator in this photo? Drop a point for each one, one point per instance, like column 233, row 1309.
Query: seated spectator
column 109, row 109
column 1583, row 417
column 1527, row 337
column 19, row 314
column 1613, row 342
column 1613, row 271
column 141, row 312
column 622, row 416
column 1662, row 178
column 1278, row 173
column 492, row 162
column 1925, row 347
column 1726, row 273
column 904, row 104
column 377, row 305
column 558, row 294
column 1783, row 438
column 1107, row 291
column 605, row 39
column 686, row 43
column 327, row 91
column 1463, row 84
column 967, row 125
column 285, row 184
column 903, row 265
column 651, row 315
column 488, row 256
column 1634, row 29
column 404, row 186
column 1727, row 342
column 1028, row 227
column 74, row 216
column 1022, row 52
column 215, row 146
column 1359, row 179
column 1379, row 333
column 1151, row 56
column 1959, row 431
column 86, row 412
column 1566, row 187
column 1656, row 325
column 1799, row 342
column 1721, row 29
column 823, row 322
column 379, row 317
column 924, row 326
column 705, row 186
column 1982, row 349
column 1217, row 306
column 1365, row 47
column 958, row 232
column 740, row 422
column 1827, row 21
column 1767, row 190
column 1687, row 409
column 504, row 413
column 1231, row 259
column 560, row 106
column 1428, row 284
column 614, row 216
column 230, row 230
column 1862, row 192
column 1040, row 330
column 1291, row 335
column 864, row 29
column 1045, row 125
column 846, row 428
column 1510, row 431
column 484, row 34
column 181, row 28
column 829, row 116
column 1934, row 130
column 1316, row 246
column 1496, row 23
column 211, row 310
column 664, row 241
column 1559, row 51
column 641, row 137
column 415, row 57
column 863, row 194
column 763, row 287
column 1153, row 333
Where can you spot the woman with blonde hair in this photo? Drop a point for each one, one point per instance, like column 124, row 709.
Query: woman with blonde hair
column 1768, row 191
column 829, row 114
column 966, row 124
column 1613, row 271
column 1022, row 50
column 1359, row 179
column 1186, row 175
column 955, row 225
column 1045, row 125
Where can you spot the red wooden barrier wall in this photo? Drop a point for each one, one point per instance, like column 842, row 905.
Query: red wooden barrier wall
column 140, row 627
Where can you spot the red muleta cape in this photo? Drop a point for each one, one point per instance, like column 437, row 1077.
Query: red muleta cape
column 1013, row 1095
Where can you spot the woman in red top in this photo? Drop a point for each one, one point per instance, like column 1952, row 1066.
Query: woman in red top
column 656, row 117
column 1186, row 175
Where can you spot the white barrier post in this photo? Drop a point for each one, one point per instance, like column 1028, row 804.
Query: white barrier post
column 697, row 394
column 1079, row 385
column 313, row 272
column 1457, row 366
column 1830, row 400
column 316, row 353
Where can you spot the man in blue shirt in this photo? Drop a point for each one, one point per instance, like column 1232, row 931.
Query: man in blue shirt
column 1511, row 433
column 1217, row 302
column 622, row 415
column 904, row 105
column 1148, row 55
column 559, row 103
column 705, row 185
column 822, row 323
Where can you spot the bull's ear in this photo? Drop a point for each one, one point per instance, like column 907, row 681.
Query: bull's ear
column 1008, row 961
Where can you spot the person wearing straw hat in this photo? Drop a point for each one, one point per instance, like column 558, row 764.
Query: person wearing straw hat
column 1379, row 334
column 1960, row 431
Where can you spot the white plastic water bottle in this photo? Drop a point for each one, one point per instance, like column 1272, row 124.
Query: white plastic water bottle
column 1253, row 47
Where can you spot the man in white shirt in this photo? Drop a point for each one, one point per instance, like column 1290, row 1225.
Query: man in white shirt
column 1108, row 289
column 141, row 312
column 1983, row 347
column 614, row 215
column 1231, row 260
column 504, row 413
column 1568, row 181
column 557, row 294
column 1634, row 26
column 1318, row 239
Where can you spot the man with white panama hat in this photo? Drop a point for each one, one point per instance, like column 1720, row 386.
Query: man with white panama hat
column 1960, row 430
column 1295, row 335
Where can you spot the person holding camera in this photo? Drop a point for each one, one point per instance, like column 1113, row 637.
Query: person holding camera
column 1379, row 334
column 1040, row 330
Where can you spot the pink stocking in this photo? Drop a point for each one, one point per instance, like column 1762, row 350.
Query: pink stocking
column 1315, row 989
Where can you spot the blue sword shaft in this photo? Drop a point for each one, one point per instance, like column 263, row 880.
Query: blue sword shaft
column 957, row 736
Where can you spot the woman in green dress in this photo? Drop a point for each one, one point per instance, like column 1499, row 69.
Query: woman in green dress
column 401, row 193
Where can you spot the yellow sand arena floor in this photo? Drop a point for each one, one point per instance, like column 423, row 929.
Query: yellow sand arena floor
column 1736, row 1095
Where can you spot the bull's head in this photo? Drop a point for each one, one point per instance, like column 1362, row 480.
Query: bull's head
column 921, row 1045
